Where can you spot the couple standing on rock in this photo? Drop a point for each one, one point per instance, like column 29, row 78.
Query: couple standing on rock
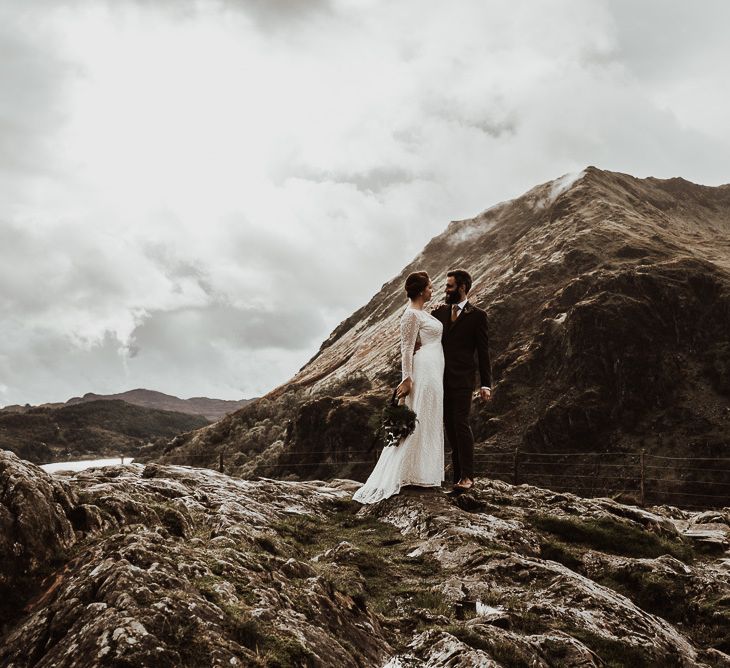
column 438, row 351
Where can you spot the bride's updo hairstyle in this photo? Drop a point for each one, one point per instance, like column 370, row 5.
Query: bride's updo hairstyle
column 416, row 283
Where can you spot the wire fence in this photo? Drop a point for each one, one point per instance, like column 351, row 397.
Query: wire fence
column 640, row 478
column 646, row 479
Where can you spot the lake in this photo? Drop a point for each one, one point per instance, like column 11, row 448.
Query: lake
column 84, row 464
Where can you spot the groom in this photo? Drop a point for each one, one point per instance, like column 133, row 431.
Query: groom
column 464, row 340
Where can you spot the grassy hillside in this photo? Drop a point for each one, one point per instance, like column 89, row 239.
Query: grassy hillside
column 89, row 429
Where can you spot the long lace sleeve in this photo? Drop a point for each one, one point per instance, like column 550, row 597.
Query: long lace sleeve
column 409, row 326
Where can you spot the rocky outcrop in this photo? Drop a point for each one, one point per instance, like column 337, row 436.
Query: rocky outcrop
column 608, row 300
column 173, row 566
column 35, row 530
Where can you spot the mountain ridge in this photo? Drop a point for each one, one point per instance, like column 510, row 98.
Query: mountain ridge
column 211, row 409
column 537, row 198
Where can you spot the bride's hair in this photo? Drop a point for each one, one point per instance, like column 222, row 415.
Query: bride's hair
column 416, row 283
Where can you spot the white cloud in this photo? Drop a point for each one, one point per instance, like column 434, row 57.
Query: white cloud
column 196, row 193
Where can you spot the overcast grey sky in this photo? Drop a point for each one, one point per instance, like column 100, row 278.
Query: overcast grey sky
column 193, row 194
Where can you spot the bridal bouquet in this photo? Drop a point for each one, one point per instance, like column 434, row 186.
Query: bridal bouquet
column 397, row 422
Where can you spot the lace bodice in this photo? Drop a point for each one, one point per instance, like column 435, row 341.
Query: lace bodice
column 416, row 325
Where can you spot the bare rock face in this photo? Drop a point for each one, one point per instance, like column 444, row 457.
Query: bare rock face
column 173, row 566
column 35, row 532
column 556, row 564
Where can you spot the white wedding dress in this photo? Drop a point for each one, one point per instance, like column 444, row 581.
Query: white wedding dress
column 419, row 459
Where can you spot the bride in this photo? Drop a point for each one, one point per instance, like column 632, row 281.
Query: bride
column 419, row 459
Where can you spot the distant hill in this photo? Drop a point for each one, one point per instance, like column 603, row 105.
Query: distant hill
column 608, row 298
column 213, row 409
column 89, row 429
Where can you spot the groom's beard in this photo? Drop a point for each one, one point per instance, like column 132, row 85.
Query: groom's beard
column 453, row 298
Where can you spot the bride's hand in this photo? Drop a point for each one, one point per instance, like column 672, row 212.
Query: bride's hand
column 404, row 389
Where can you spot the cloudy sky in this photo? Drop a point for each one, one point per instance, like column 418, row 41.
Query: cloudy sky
column 193, row 194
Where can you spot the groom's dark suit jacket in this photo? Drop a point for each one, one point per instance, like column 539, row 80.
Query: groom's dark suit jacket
column 466, row 346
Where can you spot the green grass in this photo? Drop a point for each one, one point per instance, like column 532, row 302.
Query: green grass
column 206, row 585
column 387, row 581
column 608, row 535
column 659, row 594
column 303, row 530
column 557, row 550
column 469, row 637
column 275, row 651
column 415, row 596
column 711, row 625
column 613, row 653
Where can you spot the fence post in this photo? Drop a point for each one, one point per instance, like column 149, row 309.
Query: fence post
column 515, row 466
column 642, row 478
column 594, row 481
column 220, row 461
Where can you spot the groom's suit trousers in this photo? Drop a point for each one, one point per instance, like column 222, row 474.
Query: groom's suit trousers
column 457, row 407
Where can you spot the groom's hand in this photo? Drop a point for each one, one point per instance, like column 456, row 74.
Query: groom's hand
column 485, row 393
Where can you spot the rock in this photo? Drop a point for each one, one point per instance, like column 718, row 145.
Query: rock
column 562, row 649
column 435, row 649
column 296, row 569
column 87, row 518
column 35, row 532
column 138, row 595
column 712, row 517
column 714, row 536
column 716, row 658
column 173, row 566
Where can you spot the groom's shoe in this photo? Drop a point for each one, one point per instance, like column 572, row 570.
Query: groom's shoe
column 460, row 488
column 464, row 485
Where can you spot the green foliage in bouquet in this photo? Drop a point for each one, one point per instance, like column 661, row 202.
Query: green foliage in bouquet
column 396, row 422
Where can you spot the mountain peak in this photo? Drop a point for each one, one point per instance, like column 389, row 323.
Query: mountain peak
column 538, row 241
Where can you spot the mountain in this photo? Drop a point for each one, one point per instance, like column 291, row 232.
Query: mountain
column 213, row 409
column 608, row 299
column 89, row 429
column 163, row 566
